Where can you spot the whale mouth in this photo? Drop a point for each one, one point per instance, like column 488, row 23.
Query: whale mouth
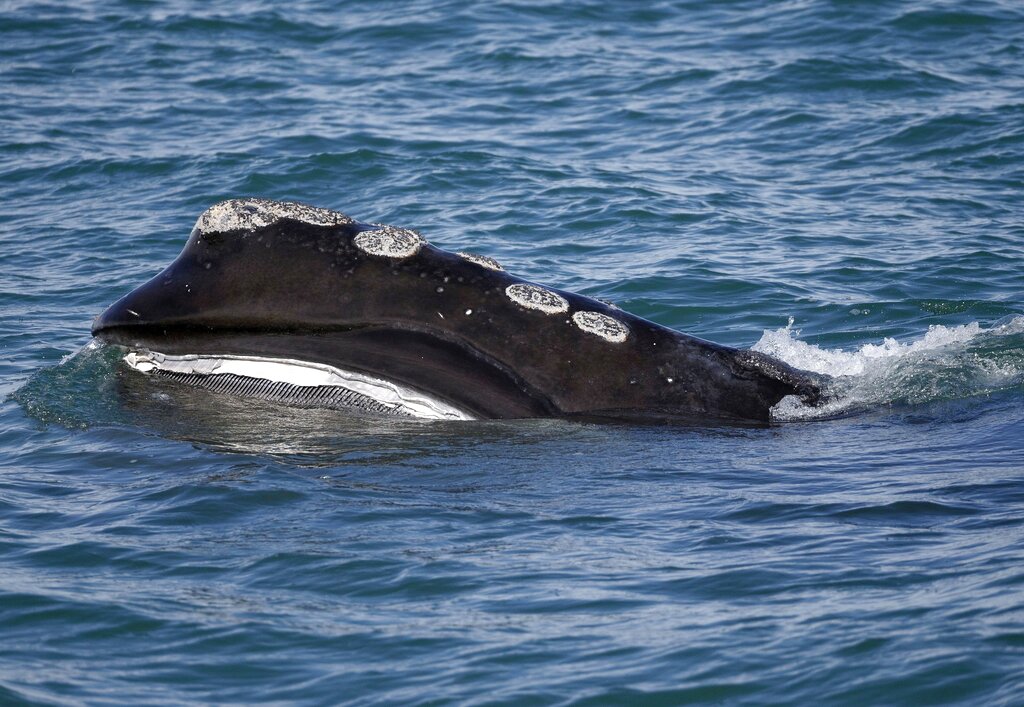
column 295, row 383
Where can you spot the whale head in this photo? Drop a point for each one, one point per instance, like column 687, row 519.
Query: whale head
column 268, row 282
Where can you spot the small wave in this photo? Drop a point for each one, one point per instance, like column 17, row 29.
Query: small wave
column 946, row 363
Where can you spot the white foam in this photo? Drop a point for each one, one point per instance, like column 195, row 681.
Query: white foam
column 946, row 362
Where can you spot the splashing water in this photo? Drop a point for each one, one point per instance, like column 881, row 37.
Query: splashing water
column 945, row 363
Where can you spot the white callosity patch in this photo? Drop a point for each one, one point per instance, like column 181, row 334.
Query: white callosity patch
column 252, row 213
column 481, row 260
column 608, row 328
column 301, row 373
column 389, row 242
column 534, row 297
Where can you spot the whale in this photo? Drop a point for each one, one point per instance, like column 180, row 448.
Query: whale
column 307, row 306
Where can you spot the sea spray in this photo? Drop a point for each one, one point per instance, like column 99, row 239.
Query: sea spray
column 945, row 363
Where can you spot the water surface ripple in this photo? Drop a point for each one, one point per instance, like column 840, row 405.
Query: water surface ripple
column 836, row 183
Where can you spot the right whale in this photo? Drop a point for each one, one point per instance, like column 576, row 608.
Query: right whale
column 307, row 306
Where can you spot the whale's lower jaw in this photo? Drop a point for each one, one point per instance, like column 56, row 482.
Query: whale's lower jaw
column 415, row 366
column 294, row 382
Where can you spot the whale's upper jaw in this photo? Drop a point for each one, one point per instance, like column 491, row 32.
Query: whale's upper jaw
column 226, row 273
column 258, row 277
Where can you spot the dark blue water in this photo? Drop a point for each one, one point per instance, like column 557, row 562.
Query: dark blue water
column 837, row 183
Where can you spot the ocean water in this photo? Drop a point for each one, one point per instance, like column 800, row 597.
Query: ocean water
column 836, row 183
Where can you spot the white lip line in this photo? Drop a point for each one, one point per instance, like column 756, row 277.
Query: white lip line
column 303, row 374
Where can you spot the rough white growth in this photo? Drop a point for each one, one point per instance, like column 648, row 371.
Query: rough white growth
column 301, row 373
column 481, row 260
column 608, row 328
column 533, row 297
column 389, row 242
column 252, row 213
